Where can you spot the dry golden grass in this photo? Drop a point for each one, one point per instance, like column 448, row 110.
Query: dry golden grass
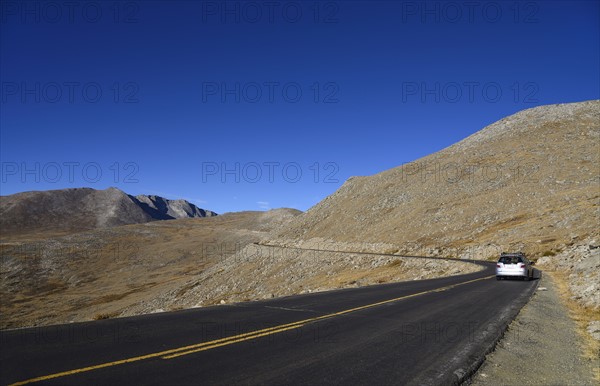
column 105, row 315
column 582, row 316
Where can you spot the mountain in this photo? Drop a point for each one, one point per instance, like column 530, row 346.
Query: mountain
column 163, row 209
column 527, row 182
column 79, row 209
column 530, row 181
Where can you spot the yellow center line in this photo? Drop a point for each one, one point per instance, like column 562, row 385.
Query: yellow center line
column 178, row 354
column 185, row 350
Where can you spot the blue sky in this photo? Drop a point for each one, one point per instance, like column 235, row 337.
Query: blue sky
column 255, row 105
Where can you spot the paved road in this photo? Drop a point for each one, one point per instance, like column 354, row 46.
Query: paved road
column 421, row 332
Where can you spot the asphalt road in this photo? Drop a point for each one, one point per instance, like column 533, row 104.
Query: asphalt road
column 426, row 332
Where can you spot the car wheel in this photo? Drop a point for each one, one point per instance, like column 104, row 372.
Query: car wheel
column 498, row 278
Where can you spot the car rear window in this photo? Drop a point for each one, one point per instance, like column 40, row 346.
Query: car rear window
column 510, row 259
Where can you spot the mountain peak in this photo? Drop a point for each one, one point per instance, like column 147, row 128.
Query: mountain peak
column 161, row 208
column 79, row 209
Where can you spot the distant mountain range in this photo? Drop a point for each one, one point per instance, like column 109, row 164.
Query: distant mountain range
column 68, row 210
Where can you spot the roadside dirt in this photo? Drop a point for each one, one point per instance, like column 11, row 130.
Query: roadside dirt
column 540, row 347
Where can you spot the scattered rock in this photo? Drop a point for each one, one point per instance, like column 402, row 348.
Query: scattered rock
column 594, row 329
column 583, row 266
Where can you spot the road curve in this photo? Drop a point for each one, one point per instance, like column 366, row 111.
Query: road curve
column 427, row 332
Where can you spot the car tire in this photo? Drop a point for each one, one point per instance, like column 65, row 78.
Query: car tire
column 498, row 278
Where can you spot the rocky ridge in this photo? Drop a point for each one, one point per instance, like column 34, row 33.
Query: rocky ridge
column 75, row 210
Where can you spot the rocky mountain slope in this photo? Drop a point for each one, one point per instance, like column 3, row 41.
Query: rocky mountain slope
column 163, row 209
column 75, row 210
column 530, row 181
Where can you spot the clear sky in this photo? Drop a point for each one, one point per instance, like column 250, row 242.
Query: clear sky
column 253, row 105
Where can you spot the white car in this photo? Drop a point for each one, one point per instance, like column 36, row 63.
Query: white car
column 514, row 265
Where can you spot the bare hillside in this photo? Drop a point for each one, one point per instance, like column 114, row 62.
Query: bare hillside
column 528, row 182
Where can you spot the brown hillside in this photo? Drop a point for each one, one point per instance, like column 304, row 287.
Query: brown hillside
column 529, row 181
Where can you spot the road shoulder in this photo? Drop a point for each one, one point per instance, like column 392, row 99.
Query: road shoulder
column 540, row 347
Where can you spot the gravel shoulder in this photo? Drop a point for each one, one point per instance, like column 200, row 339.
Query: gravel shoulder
column 540, row 347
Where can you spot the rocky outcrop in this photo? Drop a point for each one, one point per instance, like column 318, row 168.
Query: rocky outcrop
column 581, row 262
column 164, row 209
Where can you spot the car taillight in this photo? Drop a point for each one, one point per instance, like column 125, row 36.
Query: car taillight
column 521, row 265
column 498, row 265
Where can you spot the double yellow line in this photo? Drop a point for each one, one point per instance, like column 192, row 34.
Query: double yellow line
column 186, row 350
